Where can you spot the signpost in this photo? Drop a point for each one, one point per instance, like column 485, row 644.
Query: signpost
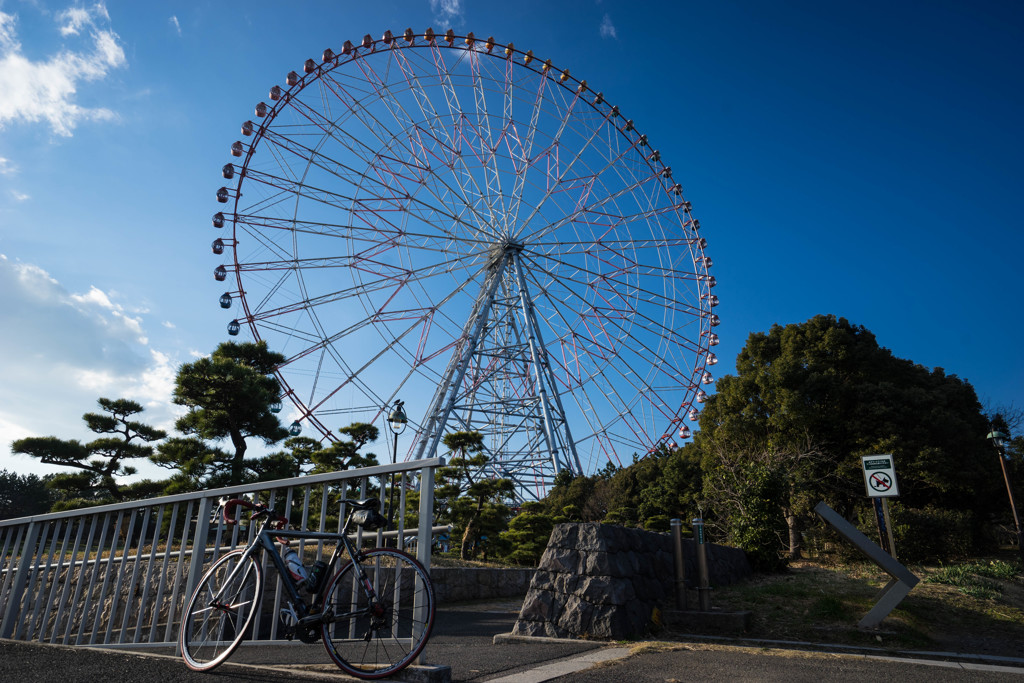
column 880, row 482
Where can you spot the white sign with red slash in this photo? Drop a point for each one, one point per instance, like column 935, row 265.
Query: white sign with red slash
column 880, row 476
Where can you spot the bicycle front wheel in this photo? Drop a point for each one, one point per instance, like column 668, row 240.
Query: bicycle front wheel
column 220, row 611
column 379, row 635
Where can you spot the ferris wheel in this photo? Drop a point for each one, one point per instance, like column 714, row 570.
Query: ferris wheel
column 462, row 225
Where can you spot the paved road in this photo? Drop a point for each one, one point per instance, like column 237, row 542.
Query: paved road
column 463, row 639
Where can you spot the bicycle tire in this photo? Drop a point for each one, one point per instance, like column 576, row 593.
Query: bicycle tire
column 210, row 633
column 368, row 643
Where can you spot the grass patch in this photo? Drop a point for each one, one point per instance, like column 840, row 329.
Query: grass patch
column 972, row 607
column 981, row 580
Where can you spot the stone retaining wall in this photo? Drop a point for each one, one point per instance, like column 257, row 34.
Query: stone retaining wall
column 458, row 584
column 603, row 581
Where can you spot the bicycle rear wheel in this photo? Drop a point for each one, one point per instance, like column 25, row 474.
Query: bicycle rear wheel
column 220, row 611
column 379, row 638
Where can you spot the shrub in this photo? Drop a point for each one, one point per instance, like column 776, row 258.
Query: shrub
column 932, row 533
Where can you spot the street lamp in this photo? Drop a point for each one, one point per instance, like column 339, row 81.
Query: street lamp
column 397, row 421
column 999, row 440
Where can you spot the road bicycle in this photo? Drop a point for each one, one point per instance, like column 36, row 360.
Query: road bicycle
column 374, row 615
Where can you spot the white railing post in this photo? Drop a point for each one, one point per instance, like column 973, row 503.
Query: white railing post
column 195, row 569
column 425, row 536
column 17, row 594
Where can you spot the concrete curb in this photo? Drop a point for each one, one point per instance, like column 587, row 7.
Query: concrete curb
column 562, row 667
column 863, row 650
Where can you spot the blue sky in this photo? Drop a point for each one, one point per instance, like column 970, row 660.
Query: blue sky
column 860, row 159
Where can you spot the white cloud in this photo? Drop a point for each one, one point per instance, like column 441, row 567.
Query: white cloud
column 8, row 33
column 175, row 24
column 447, row 12
column 20, row 196
column 44, row 91
column 7, row 167
column 608, row 28
column 69, row 349
column 73, row 20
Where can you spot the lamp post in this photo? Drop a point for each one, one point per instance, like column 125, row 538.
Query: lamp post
column 397, row 420
column 999, row 440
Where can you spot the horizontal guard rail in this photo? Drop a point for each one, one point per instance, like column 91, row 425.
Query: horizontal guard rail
column 119, row 574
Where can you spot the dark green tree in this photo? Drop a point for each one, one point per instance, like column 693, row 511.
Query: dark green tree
column 229, row 395
column 808, row 399
column 194, row 464
column 102, row 460
column 676, row 490
column 344, row 454
column 22, row 495
column 474, row 499
column 528, row 534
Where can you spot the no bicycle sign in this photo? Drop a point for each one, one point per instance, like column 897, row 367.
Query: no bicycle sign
column 880, row 476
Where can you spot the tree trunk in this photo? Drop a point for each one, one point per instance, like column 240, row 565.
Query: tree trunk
column 238, row 462
column 794, row 536
column 467, row 538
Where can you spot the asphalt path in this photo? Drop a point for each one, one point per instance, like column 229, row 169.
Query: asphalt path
column 463, row 639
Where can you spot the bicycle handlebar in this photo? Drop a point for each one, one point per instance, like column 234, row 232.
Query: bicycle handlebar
column 230, row 506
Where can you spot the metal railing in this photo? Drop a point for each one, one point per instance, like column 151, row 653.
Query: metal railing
column 120, row 574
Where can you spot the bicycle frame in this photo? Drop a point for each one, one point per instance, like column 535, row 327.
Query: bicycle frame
column 303, row 612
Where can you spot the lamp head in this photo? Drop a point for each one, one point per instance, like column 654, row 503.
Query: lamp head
column 998, row 439
column 397, row 420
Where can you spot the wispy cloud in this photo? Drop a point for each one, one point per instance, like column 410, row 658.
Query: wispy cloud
column 607, row 29
column 44, row 90
column 7, row 167
column 175, row 24
column 20, row 196
column 447, row 12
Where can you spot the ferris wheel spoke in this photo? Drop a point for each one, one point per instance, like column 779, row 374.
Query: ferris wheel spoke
column 610, row 318
column 592, row 207
column 357, row 206
column 331, row 166
column 433, row 126
column 489, row 147
column 526, row 148
column 456, row 112
column 614, row 272
column 385, row 137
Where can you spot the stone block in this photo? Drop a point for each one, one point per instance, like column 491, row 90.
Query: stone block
column 605, row 581
column 610, row 622
column 577, row 616
column 560, row 560
column 538, row 606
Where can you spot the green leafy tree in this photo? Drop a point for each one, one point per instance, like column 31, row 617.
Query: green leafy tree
column 297, row 459
column 344, row 454
column 194, row 464
column 229, row 395
column 570, row 495
column 528, row 534
column 102, row 460
column 677, row 490
column 808, row 399
column 473, row 499
column 22, row 495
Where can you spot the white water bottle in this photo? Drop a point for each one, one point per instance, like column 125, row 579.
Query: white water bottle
column 297, row 570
